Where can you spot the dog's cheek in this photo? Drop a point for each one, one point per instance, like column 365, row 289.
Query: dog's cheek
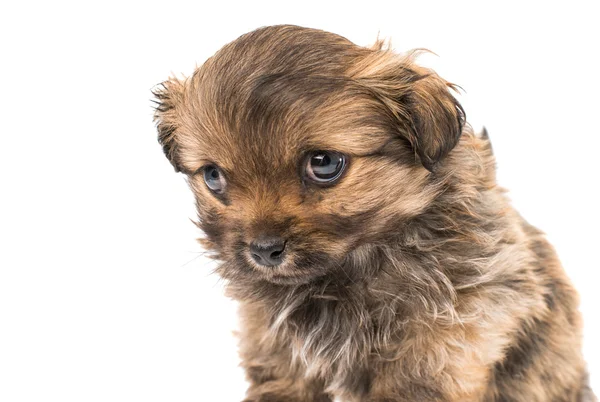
column 211, row 219
column 376, row 193
column 213, row 232
column 213, row 226
column 322, row 240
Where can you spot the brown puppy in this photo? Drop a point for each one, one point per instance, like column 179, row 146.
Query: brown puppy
column 359, row 225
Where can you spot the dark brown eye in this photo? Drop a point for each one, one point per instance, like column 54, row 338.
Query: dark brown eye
column 214, row 179
column 325, row 167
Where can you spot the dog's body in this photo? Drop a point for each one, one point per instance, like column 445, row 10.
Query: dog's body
column 406, row 277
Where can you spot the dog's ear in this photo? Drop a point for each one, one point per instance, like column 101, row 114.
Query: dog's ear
column 436, row 119
column 167, row 96
column 425, row 112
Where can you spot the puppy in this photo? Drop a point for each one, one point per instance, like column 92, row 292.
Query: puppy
column 358, row 223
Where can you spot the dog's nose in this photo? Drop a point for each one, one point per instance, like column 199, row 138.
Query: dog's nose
column 268, row 252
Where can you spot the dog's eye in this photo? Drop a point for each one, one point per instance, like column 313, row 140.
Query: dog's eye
column 325, row 167
column 214, row 179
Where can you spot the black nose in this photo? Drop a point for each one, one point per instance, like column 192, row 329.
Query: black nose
column 268, row 252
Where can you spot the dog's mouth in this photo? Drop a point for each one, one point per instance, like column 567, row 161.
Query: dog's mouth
column 298, row 267
column 301, row 263
column 292, row 271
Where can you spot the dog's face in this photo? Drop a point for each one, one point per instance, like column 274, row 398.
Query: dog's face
column 301, row 147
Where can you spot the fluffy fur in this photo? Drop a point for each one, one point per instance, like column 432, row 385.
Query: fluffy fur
column 412, row 279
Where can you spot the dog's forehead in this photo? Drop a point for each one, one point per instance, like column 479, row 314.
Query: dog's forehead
column 268, row 98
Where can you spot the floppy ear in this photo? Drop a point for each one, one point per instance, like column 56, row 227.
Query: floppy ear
column 427, row 114
column 436, row 118
column 168, row 96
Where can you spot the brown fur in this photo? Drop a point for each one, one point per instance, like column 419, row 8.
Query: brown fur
column 412, row 279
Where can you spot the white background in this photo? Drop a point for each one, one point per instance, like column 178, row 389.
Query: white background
column 104, row 294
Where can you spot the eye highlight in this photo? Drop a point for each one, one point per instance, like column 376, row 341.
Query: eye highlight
column 214, row 179
column 324, row 167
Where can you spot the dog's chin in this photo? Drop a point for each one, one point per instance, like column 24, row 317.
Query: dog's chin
column 291, row 272
column 290, row 280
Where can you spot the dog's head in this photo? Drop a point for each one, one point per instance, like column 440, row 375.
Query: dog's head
column 301, row 147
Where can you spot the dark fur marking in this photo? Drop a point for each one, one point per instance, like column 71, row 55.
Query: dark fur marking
column 529, row 345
